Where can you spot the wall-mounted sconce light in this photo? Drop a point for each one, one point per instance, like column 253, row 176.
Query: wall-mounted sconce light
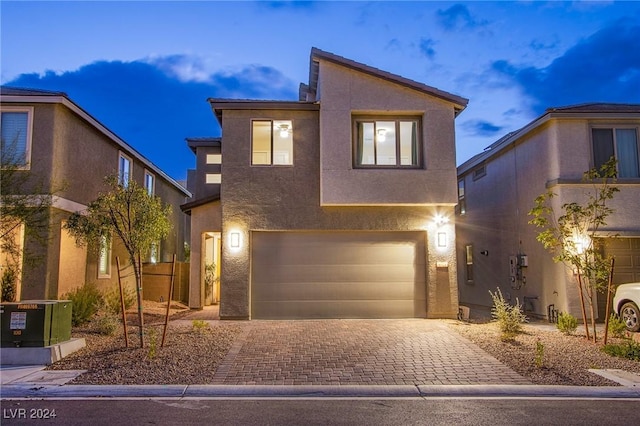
column 485, row 252
column 234, row 239
column 440, row 220
column 442, row 239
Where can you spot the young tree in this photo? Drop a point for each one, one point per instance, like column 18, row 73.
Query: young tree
column 138, row 219
column 24, row 204
column 571, row 237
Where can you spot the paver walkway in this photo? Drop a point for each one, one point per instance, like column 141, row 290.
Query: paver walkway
column 358, row 352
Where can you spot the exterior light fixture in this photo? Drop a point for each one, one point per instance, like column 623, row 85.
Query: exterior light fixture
column 284, row 130
column 442, row 239
column 234, row 240
column 440, row 220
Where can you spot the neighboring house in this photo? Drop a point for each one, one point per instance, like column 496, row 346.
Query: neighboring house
column 497, row 188
column 339, row 205
column 63, row 146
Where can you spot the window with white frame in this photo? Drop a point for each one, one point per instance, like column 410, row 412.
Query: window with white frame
column 124, row 170
column 104, row 258
column 620, row 143
column 15, row 125
column 271, row 142
column 387, row 142
column 149, row 182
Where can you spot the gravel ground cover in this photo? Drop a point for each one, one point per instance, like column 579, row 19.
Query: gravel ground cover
column 564, row 360
column 193, row 351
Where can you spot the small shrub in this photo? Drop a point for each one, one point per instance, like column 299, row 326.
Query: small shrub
column 106, row 324
column 112, row 299
column 539, row 359
column 629, row 350
column 199, row 325
column 9, row 284
column 617, row 327
column 510, row 318
column 86, row 303
column 567, row 323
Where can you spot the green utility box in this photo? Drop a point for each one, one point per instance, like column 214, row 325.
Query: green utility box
column 35, row 323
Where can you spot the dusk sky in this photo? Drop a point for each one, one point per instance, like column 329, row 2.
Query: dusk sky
column 146, row 68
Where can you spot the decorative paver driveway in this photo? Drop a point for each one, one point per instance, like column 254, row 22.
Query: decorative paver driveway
column 358, row 352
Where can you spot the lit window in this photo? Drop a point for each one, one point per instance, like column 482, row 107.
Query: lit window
column 154, row 252
column 104, row 258
column 124, row 170
column 387, row 142
column 213, row 178
column 468, row 254
column 462, row 204
column 272, row 143
column 16, row 136
column 620, row 143
column 214, row 158
column 149, row 182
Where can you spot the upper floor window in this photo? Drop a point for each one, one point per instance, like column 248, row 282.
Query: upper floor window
column 462, row 204
column 387, row 142
column 214, row 159
column 16, row 137
column 272, row 143
column 480, row 172
column 124, row 170
column 621, row 143
column 149, row 182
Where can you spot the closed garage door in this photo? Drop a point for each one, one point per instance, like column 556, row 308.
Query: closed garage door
column 338, row 275
column 626, row 252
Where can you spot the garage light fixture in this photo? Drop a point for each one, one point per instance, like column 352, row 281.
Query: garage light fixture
column 234, row 240
column 442, row 239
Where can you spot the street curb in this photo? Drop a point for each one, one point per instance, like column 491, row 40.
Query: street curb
column 22, row 391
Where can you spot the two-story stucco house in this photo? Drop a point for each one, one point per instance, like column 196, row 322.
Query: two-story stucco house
column 340, row 204
column 496, row 189
column 68, row 152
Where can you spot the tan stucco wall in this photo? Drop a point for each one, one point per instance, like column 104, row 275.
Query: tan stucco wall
column 288, row 198
column 346, row 92
column 71, row 158
column 205, row 218
column 497, row 215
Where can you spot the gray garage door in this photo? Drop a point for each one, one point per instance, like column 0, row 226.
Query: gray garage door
column 338, row 275
column 626, row 251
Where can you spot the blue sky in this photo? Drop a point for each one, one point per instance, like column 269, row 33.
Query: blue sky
column 146, row 68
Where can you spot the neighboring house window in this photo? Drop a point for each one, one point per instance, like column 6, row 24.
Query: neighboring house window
column 621, row 143
column 104, row 258
column 387, row 142
column 468, row 257
column 480, row 172
column 16, row 136
column 272, row 143
column 154, row 253
column 462, row 204
column 124, row 170
column 149, row 182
